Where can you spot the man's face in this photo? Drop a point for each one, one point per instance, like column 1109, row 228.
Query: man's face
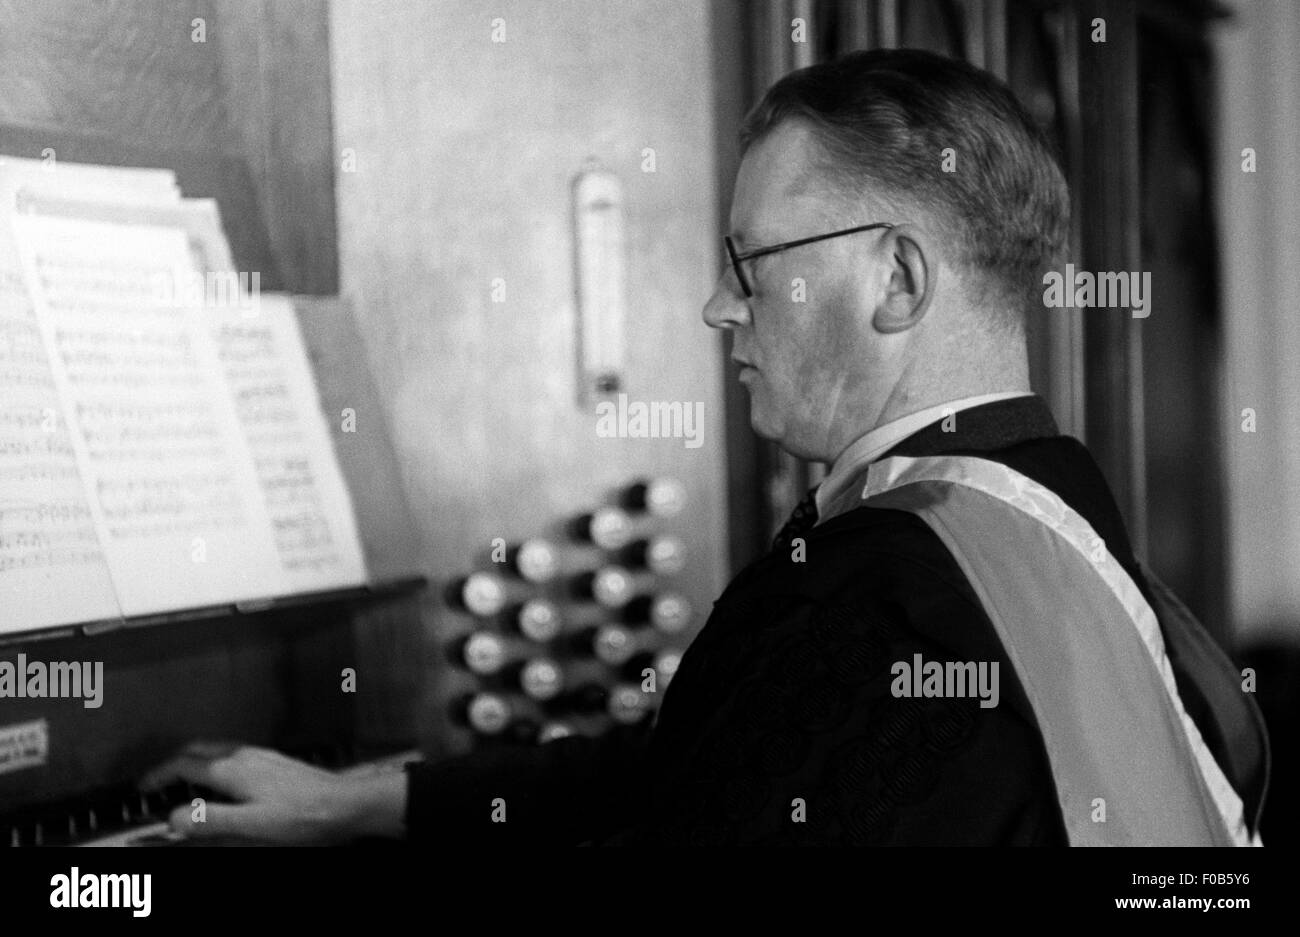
column 803, row 339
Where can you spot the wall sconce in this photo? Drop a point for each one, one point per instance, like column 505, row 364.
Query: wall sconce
column 601, row 280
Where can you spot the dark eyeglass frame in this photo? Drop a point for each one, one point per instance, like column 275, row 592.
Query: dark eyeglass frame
column 736, row 258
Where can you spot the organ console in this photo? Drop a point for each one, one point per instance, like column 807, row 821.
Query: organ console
column 666, row 663
column 623, row 703
column 560, row 645
column 554, row 729
column 483, row 653
column 481, row 594
column 485, row 713
column 663, row 555
column 608, row 528
column 610, row 644
column 626, row 704
column 534, row 560
column 540, row 678
column 488, row 655
column 553, row 642
column 102, row 817
column 662, row 663
column 669, row 612
column 586, row 699
column 660, row 497
column 537, row 620
column 122, row 815
column 610, row 586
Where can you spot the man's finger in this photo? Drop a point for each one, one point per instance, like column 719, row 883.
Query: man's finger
column 205, row 763
column 180, row 768
column 219, row 820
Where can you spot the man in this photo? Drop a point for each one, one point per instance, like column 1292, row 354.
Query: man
column 951, row 641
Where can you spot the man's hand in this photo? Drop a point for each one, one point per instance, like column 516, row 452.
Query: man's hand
column 280, row 800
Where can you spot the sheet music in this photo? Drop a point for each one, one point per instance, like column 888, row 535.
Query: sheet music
column 275, row 395
column 52, row 570
column 150, row 458
column 271, row 381
column 199, row 218
column 117, row 184
column 170, row 480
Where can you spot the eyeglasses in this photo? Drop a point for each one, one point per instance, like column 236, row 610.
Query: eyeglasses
column 763, row 251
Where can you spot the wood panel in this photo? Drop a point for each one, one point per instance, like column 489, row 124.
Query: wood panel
column 274, row 78
column 1043, row 71
column 255, row 91
column 1108, row 198
column 1182, row 338
column 121, row 68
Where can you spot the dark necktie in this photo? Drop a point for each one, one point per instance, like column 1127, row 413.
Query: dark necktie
column 801, row 521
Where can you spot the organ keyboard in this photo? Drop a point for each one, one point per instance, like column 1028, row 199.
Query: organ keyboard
column 125, row 816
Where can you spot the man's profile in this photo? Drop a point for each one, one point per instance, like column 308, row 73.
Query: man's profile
column 951, row 642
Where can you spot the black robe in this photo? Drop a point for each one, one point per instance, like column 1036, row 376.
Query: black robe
column 780, row 727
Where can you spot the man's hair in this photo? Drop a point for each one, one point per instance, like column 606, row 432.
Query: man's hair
column 884, row 119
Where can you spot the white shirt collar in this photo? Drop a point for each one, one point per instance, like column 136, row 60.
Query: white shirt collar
column 880, row 440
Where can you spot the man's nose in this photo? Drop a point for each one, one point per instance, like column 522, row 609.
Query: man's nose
column 725, row 309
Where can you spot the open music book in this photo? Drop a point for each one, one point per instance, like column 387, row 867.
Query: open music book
column 162, row 444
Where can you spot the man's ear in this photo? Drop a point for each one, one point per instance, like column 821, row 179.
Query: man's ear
column 913, row 258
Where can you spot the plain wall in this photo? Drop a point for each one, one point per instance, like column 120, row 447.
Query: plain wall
column 465, row 151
